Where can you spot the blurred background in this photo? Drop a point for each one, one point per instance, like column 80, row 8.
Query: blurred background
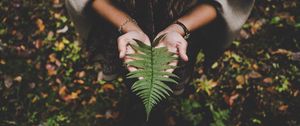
column 46, row 79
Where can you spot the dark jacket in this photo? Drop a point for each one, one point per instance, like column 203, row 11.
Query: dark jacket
column 99, row 36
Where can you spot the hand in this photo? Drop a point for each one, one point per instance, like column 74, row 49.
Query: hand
column 174, row 41
column 125, row 48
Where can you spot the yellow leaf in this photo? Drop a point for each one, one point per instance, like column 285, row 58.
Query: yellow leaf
column 59, row 46
column 215, row 65
column 40, row 25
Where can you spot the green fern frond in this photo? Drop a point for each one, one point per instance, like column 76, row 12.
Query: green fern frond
column 152, row 64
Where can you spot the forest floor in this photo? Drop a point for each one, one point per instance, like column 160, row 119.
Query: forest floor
column 46, row 79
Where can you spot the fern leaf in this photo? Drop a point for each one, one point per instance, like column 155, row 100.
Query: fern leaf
column 151, row 63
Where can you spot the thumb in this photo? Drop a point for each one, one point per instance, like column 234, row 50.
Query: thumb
column 182, row 47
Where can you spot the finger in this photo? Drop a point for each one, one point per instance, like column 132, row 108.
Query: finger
column 122, row 43
column 129, row 50
column 182, row 47
column 159, row 34
column 130, row 68
column 173, row 63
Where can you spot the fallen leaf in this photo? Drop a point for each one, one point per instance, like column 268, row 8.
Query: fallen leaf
column 62, row 91
column 63, row 30
column 55, row 1
column 230, row 99
column 98, row 116
column 79, row 81
column 38, row 43
column 51, row 70
column 295, row 56
column 52, row 57
column 108, row 87
column 281, row 51
column 268, row 80
column 254, row 75
column 44, row 95
column 240, row 79
column 2, row 62
column 18, row 79
column 8, row 81
column 81, row 74
column 32, row 85
column 59, row 46
column 40, row 24
column 283, row 107
column 92, row 100
column 255, row 67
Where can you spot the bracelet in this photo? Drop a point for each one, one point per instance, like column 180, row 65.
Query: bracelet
column 186, row 31
column 127, row 21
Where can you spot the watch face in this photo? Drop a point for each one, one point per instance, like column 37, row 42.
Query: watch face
column 187, row 36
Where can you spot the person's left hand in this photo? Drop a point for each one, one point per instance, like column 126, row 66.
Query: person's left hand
column 175, row 42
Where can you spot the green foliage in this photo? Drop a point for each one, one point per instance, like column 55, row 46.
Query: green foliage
column 44, row 75
column 152, row 64
column 189, row 110
column 220, row 116
column 57, row 120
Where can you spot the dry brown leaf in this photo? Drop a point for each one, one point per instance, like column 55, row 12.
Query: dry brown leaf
column 81, row 74
column 240, row 79
column 8, row 81
column 38, row 43
column 18, row 79
column 52, row 57
column 268, row 80
column 51, row 70
column 230, row 99
column 79, row 81
column 55, row 1
column 283, row 107
column 255, row 67
column 254, row 75
column 99, row 116
column 92, row 100
column 108, row 87
column 62, row 91
column 281, row 51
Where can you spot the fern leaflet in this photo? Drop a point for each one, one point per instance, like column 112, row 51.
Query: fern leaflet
column 152, row 64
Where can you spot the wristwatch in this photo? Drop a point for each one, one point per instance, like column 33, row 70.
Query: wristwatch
column 186, row 31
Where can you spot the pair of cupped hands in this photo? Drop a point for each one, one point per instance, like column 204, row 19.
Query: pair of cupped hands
column 173, row 41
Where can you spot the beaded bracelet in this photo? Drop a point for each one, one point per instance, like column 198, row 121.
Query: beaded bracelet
column 127, row 21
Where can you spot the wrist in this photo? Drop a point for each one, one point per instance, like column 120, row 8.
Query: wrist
column 131, row 27
column 175, row 28
column 186, row 31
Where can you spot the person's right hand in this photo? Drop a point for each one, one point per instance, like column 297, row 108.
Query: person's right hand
column 125, row 48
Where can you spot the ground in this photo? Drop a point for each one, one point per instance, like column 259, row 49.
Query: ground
column 45, row 78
